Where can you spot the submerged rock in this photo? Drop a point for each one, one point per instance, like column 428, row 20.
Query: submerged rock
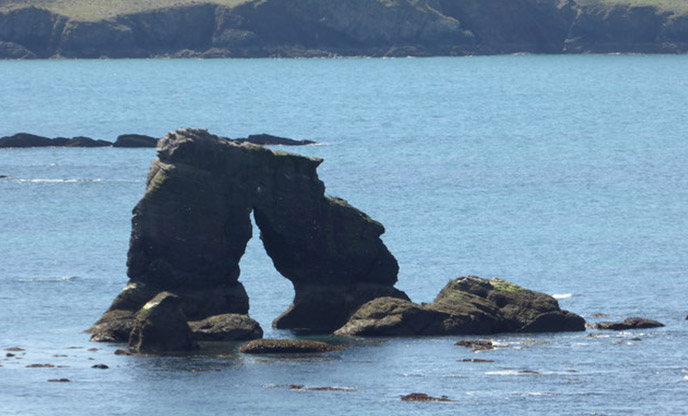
column 467, row 305
column 160, row 326
column 135, row 140
column 286, row 346
column 191, row 228
column 478, row 345
column 226, row 327
column 422, row 397
column 629, row 323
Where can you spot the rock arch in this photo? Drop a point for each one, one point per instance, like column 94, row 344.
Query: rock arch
column 191, row 228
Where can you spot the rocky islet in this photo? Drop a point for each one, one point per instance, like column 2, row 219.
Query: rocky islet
column 467, row 305
column 628, row 323
column 191, row 228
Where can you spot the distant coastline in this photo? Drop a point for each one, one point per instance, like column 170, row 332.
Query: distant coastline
column 38, row 29
column 24, row 140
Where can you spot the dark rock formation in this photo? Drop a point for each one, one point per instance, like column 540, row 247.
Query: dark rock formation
column 629, row 323
column 286, row 346
column 135, row 140
column 81, row 141
column 191, row 228
column 35, row 30
column 269, row 140
column 311, row 28
column 114, row 326
column 631, row 29
column 467, row 305
column 25, row 140
column 31, row 140
column 227, row 327
column 160, row 326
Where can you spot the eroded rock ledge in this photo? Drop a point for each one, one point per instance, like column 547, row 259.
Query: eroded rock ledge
column 191, row 228
column 467, row 305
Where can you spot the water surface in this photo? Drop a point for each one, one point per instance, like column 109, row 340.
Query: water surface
column 564, row 174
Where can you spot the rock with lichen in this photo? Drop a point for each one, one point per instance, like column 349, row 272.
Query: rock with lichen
column 226, row 327
column 467, row 305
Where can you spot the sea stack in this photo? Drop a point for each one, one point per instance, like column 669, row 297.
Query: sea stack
column 191, row 228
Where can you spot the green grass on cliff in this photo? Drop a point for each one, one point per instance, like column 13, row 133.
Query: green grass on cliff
column 679, row 7
column 104, row 9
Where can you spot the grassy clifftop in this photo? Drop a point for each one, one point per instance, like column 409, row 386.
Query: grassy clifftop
column 679, row 7
column 92, row 10
column 308, row 28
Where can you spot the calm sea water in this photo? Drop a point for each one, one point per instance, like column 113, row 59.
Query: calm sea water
column 564, row 174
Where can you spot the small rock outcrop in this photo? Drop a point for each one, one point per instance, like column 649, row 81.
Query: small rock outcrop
column 286, row 346
column 31, row 140
column 191, row 228
column 227, row 327
column 81, row 141
column 423, row 397
column 269, row 140
column 25, row 140
column 135, row 140
column 629, row 323
column 467, row 305
column 160, row 326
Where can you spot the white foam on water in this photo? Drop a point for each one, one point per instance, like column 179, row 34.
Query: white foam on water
column 51, row 279
column 562, row 295
column 57, row 180
column 505, row 373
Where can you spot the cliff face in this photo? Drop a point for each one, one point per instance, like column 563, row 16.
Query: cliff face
column 347, row 27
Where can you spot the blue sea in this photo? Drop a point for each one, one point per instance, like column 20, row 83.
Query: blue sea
column 564, row 174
